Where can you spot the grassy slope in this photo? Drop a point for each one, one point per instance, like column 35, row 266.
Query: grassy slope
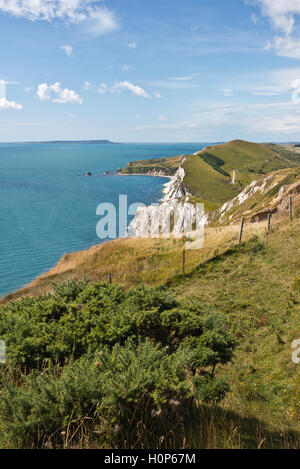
column 167, row 165
column 250, row 160
column 208, row 174
column 256, row 286
column 203, row 181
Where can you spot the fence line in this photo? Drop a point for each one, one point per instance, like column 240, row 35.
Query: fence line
column 241, row 232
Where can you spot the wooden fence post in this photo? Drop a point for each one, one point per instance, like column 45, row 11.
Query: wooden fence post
column 291, row 208
column 183, row 261
column 110, row 278
column 269, row 222
column 241, row 230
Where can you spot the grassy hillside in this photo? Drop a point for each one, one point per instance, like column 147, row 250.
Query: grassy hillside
column 168, row 166
column 209, row 176
column 209, row 172
column 204, row 182
column 256, row 287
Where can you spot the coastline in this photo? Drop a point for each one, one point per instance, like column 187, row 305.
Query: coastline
column 144, row 174
column 165, row 186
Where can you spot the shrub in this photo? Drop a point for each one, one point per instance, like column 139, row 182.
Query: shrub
column 78, row 318
column 97, row 359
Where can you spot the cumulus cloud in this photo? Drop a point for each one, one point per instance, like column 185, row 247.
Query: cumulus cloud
column 134, row 89
column 56, row 94
column 5, row 105
column 67, row 49
column 119, row 87
column 282, row 15
column 98, row 20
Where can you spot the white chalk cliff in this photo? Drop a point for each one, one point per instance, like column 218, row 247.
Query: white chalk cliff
column 174, row 215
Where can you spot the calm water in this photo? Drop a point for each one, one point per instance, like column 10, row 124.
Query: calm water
column 46, row 211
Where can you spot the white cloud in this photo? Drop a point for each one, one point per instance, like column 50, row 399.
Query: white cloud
column 101, row 21
column 45, row 93
column 287, row 47
column 102, row 88
column 138, row 116
column 132, row 45
column 282, row 15
column 5, row 105
column 67, row 49
column 275, row 120
column 184, row 78
column 98, row 20
column 87, row 85
column 126, row 85
column 157, row 95
column 162, row 118
column 254, row 18
column 227, row 92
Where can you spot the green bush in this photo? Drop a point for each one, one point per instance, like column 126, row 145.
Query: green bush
column 99, row 360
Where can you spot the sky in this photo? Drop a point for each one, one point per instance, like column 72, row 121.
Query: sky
column 150, row 71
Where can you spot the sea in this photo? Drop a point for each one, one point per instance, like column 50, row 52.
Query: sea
column 48, row 207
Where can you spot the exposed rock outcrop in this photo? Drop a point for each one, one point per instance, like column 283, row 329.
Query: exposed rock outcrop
column 174, row 215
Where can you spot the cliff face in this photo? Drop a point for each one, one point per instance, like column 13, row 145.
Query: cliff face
column 267, row 195
column 173, row 216
column 176, row 214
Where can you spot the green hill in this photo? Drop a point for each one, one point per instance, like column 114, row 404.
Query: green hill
column 168, row 166
column 254, row 286
column 208, row 174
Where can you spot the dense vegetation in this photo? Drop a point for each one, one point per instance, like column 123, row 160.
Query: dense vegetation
column 122, row 365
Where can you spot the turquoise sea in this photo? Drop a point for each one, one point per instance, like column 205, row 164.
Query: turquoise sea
column 47, row 211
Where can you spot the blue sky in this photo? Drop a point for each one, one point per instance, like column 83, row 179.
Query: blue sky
column 141, row 70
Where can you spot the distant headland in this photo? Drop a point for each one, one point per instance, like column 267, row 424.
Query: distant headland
column 75, row 142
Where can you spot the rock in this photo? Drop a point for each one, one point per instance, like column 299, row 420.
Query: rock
column 263, row 215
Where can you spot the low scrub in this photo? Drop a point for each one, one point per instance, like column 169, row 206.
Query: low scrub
column 95, row 364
